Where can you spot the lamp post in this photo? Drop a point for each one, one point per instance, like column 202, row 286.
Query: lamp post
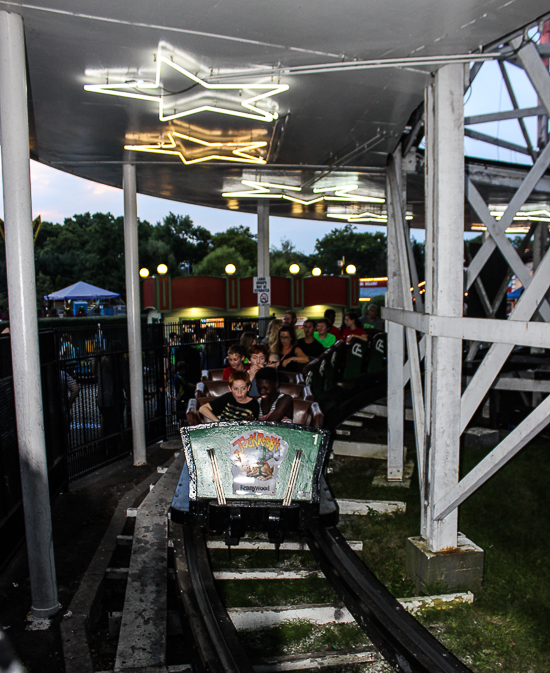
column 316, row 271
column 162, row 269
column 351, row 269
column 294, row 269
column 144, row 273
column 230, row 269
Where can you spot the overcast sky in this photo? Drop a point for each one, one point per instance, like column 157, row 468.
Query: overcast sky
column 57, row 195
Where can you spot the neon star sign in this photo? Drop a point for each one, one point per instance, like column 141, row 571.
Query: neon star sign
column 153, row 91
column 343, row 194
column 221, row 151
column 265, row 190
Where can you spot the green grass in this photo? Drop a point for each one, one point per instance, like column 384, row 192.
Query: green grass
column 506, row 629
column 301, row 636
column 259, row 593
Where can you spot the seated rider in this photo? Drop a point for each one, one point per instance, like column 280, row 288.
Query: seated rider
column 351, row 328
column 236, row 355
column 330, row 315
column 292, row 357
column 258, row 355
column 247, row 340
column 235, row 405
column 274, row 405
column 323, row 335
column 309, row 345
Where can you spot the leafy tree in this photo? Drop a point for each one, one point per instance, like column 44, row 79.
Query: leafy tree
column 367, row 251
column 281, row 258
column 105, row 252
column 214, row 263
column 44, row 286
column 187, row 242
column 419, row 254
column 239, row 238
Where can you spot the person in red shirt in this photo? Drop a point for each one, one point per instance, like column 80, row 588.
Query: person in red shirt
column 351, row 327
column 330, row 314
column 235, row 355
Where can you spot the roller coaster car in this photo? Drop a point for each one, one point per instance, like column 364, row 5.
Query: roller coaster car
column 255, row 475
column 348, row 377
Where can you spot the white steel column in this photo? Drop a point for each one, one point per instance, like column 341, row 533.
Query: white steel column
column 444, row 254
column 23, row 321
column 263, row 255
column 133, row 308
column 396, row 336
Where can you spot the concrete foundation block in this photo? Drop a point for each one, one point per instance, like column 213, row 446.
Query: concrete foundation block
column 481, row 438
column 381, row 477
column 456, row 570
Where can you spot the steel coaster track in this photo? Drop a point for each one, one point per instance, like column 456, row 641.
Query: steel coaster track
column 218, row 648
column 402, row 641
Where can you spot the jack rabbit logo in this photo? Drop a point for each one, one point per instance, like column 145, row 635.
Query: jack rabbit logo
column 256, row 457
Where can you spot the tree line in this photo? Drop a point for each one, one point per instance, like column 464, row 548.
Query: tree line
column 91, row 248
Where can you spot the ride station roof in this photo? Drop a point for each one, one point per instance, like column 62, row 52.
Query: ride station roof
column 226, row 103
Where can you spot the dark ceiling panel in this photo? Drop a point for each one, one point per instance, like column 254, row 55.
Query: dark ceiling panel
column 323, row 117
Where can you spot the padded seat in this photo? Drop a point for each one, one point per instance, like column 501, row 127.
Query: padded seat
column 212, row 375
column 216, row 388
column 305, row 412
column 217, row 375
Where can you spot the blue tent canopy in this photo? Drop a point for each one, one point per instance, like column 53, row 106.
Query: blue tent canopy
column 81, row 291
column 516, row 294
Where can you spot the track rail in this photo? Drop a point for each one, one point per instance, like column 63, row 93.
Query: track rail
column 402, row 641
column 217, row 645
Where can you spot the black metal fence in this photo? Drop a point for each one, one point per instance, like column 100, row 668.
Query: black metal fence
column 11, row 508
column 85, row 391
column 94, row 375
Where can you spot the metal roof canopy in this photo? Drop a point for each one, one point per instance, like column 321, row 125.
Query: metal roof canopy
column 349, row 119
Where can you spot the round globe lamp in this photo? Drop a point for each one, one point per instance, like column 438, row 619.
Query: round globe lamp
column 294, row 269
column 316, row 271
column 162, row 269
column 350, row 269
column 230, row 269
column 144, row 272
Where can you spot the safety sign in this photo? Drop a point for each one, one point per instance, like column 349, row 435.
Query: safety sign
column 262, row 284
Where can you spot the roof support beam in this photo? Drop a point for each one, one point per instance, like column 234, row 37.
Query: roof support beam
column 396, row 334
column 263, row 258
column 502, row 116
column 483, row 137
column 535, row 69
column 23, row 320
column 133, row 304
column 519, row 198
column 521, row 123
column 444, row 298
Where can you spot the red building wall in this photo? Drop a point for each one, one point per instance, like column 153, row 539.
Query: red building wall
column 148, row 292
column 164, row 289
column 171, row 294
column 326, row 290
column 198, row 291
column 280, row 291
column 248, row 297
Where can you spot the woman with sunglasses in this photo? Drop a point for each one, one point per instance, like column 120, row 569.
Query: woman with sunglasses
column 292, row 357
